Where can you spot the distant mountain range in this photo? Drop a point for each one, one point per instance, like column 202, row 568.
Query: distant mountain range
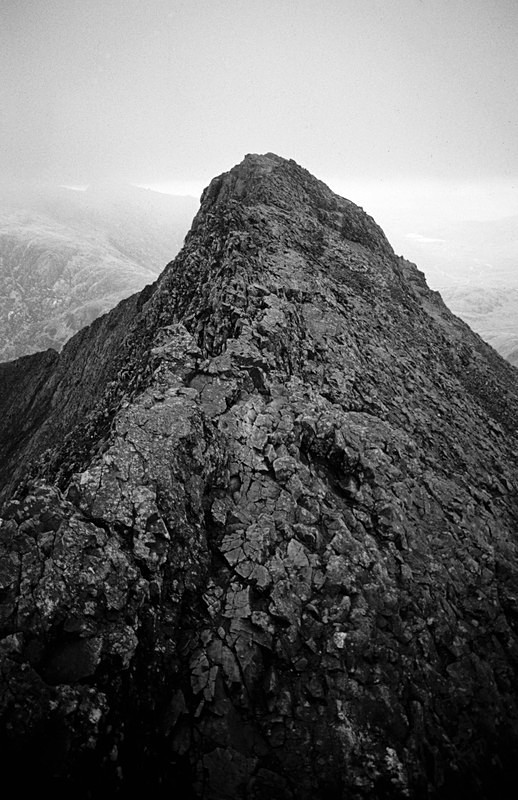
column 490, row 312
column 68, row 256
column 474, row 266
column 466, row 253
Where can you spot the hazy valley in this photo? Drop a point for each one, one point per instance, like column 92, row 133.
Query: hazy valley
column 474, row 266
column 68, row 256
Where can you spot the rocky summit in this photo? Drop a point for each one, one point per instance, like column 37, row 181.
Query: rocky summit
column 259, row 525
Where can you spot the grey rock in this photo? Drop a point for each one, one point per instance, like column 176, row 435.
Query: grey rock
column 259, row 524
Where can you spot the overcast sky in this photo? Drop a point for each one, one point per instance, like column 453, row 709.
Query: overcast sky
column 404, row 106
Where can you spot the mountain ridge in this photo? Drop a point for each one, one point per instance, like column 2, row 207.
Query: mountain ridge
column 259, row 522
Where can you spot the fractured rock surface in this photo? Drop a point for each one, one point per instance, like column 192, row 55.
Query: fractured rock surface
column 259, row 524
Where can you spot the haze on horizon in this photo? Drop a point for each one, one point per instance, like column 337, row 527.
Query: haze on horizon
column 408, row 108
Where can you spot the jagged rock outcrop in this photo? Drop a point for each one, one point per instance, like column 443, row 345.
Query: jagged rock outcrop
column 259, row 524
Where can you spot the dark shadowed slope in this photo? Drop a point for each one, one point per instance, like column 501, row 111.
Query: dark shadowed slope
column 260, row 524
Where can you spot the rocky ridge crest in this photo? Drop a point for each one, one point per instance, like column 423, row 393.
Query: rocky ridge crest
column 259, row 523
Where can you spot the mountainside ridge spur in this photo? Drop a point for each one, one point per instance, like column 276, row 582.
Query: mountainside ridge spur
column 276, row 556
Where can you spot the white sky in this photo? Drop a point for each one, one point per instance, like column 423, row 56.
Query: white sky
column 407, row 107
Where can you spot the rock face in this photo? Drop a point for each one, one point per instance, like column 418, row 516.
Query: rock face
column 259, row 525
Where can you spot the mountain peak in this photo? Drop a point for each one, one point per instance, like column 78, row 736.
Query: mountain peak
column 270, row 180
column 259, row 530
column 244, row 179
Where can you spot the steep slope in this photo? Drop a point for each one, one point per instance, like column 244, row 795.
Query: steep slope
column 66, row 257
column 259, row 532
